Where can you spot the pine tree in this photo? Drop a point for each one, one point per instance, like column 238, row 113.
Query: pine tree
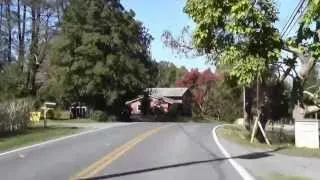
column 102, row 56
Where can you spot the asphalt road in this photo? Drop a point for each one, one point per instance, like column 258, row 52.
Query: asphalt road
column 176, row 151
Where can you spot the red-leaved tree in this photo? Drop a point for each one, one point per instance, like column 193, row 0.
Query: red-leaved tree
column 200, row 84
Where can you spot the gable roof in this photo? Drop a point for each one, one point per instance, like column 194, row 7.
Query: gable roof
column 167, row 92
column 165, row 99
column 134, row 100
column 169, row 100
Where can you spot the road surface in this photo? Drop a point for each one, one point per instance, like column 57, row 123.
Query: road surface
column 139, row 151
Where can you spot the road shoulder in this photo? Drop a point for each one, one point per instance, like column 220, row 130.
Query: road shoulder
column 49, row 138
column 265, row 164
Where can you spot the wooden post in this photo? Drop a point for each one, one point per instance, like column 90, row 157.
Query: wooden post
column 257, row 122
column 254, row 130
column 45, row 117
column 244, row 103
column 263, row 133
column 255, row 126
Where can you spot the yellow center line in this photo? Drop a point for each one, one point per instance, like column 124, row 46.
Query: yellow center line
column 102, row 163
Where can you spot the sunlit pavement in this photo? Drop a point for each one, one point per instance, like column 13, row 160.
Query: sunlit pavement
column 137, row 151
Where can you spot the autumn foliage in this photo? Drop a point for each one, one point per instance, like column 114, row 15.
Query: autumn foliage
column 200, row 83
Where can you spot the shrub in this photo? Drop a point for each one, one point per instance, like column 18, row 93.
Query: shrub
column 100, row 116
column 12, row 82
column 15, row 115
column 59, row 114
column 50, row 114
column 174, row 111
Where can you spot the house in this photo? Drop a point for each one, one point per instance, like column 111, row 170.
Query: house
column 167, row 99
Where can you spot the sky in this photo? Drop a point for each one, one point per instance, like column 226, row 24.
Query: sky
column 161, row 15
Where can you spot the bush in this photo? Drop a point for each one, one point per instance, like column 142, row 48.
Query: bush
column 100, row 116
column 12, row 82
column 224, row 103
column 50, row 114
column 174, row 111
column 59, row 114
column 15, row 115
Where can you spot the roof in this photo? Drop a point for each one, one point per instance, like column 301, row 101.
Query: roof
column 168, row 100
column 167, row 92
column 132, row 101
column 165, row 99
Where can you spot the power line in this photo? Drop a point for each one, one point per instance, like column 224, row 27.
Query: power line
column 296, row 21
column 293, row 18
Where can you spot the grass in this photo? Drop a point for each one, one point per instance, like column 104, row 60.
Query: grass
column 34, row 135
column 285, row 143
column 74, row 121
column 278, row 176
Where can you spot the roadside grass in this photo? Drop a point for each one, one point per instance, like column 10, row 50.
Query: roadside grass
column 73, row 121
column 284, row 143
column 278, row 176
column 34, row 135
column 183, row 119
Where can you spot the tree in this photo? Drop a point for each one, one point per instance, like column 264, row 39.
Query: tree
column 224, row 101
column 11, row 82
column 200, row 84
column 239, row 35
column 102, row 55
column 306, row 49
column 21, row 32
column 168, row 74
column 145, row 103
column 9, row 27
column 1, row 35
column 34, row 46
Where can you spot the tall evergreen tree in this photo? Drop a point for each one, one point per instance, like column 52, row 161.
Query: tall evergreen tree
column 102, row 55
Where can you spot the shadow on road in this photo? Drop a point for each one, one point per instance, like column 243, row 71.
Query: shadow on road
column 256, row 155
column 215, row 158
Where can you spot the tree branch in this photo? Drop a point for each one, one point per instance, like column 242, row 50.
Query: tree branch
column 312, row 109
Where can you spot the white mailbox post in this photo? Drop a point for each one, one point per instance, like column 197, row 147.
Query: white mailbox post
column 307, row 133
column 47, row 107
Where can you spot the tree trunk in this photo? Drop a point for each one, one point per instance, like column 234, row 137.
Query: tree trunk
column 20, row 36
column 58, row 11
column 1, row 10
column 1, row 15
column 33, row 64
column 263, row 107
column 22, row 45
column 8, row 17
column 21, row 33
column 248, row 108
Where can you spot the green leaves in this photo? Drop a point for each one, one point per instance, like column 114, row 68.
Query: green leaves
column 313, row 12
column 315, row 50
column 102, row 56
column 244, row 68
column 309, row 31
column 242, row 32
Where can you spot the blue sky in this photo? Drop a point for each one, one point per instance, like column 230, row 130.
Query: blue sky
column 160, row 15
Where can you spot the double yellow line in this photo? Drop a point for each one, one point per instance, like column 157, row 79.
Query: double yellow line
column 95, row 168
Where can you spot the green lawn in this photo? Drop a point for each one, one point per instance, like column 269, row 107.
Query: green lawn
column 286, row 146
column 278, row 176
column 34, row 135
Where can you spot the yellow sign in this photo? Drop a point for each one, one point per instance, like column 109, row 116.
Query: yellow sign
column 35, row 116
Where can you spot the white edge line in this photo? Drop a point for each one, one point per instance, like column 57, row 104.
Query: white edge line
column 57, row 139
column 241, row 170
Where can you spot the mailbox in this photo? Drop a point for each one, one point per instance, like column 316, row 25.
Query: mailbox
column 307, row 133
